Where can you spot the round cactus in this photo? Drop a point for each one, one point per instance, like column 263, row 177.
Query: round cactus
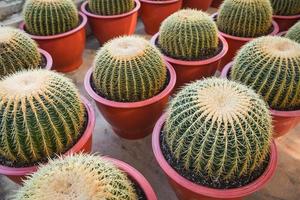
column 129, row 69
column 271, row 66
column 294, row 32
column 78, row 177
column 251, row 18
column 286, row 7
column 188, row 35
column 110, row 7
column 219, row 130
column 17, row 51
column 41, row 115
column 50, row 17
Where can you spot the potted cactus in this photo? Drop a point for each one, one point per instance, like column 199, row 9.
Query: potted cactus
column 294, row 32
column 19, row 52
column 215, row 141
column 189, row 41
column 286, row 13
column 238, row 23
column 41, row 116
column 270, row 65
column 109, row 19
column 58, row 28
column 197, row 4
column 131, row 84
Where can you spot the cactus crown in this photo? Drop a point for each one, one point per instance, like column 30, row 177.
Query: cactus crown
column 245, row 18
column 17, row 51
column 286, row 7
column 294, row 32
column 271, row 66
column 129, row 69
column 189, row 35
column 110, row 7
column 50, row 17
column 78, row 177
column 41, row 115
column 218, row 129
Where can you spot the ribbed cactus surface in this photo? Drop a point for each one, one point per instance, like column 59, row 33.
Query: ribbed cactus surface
column 271, row 66
column 110, row 7
column 17, row 51
column 78, row 177
column 286, row 7
column 129, row 69
column 294, row 33
column 245, row 18
column 41, row 115
column 218, row 129
column 50, row 17
column 188, row 35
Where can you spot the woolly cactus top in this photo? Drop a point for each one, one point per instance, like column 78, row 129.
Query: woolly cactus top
column 78, row 177
column 111, row 7
column 286, row 7
column 294, row 32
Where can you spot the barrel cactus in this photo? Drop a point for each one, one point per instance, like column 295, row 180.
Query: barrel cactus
column 286, row 7
column 251, row 18
column 110, row 7
column 294, row 33
column 188, row 35
column 78, row 177
column 50, row 17
column 271, row 66
column 41, row 115
column 17, row 51
column 218, row 130
column 129, row 69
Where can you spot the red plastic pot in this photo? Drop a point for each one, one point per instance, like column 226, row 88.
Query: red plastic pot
column 66, row 48
column 283, row 121
column 108, row 27
column 186, row 190
column 197, row 4
column 187, row 71
column 48, row 58
column 154, row 12
column 216, row 3
column 286, row 22
column 132, row 120
column 84, row 144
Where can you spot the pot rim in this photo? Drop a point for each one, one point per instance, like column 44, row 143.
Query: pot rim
column 21, row 171
column 159, row 2
column 186, row 63
column 287, row 17
column 89, row 14
column 22, row 26
column 167, row 90
column 203, row 190
column 282, row 33
column 48, row 57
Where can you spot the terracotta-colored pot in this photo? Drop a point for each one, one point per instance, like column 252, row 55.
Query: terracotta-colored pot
column 186, row 190
column 154, row 12
column 106, row 27
column 132, row 120
column 84, row 144
column 283, row 121
column 187, row 71
column 286, row 22
column 66, row 48
column 235, row 43
column 197, row 4
column 135, row 176
column 48, row 59
column 216, row 3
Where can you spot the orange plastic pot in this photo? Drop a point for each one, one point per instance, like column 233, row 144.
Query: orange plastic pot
column 154, row 12
column 197, row 4
column 66, row 48
column 286, row 22
column 216, row 3
column 111, row 26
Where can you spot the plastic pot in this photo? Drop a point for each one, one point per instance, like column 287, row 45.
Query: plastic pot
column 283, row 121
column 197, row 4
column 106, row 27
column 282, row 34
column 216, row 3
column 84, row 144
column 48, row 59
column 286, row 22
column 66, row 48
column 186, row 190
column 154, row 12
column 187, row 71
column 132, row 120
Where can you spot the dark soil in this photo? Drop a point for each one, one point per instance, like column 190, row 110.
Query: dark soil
column 43, row 62
column 139, row 191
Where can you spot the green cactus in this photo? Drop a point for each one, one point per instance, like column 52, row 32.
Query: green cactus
column 294, row 32
column 41, row 115
column 218, row 129
column 17, row 51
column 271, row 66
column 129, row 69
column 50, row 17
column 110, row 7
column 286, row 7
column 78, row 177
column 188, row 35
column 251, row 18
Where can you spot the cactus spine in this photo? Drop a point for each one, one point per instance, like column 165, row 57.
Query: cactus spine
column 111, row 7
column 286, row 7
column 129, row 69
column 294, row 32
